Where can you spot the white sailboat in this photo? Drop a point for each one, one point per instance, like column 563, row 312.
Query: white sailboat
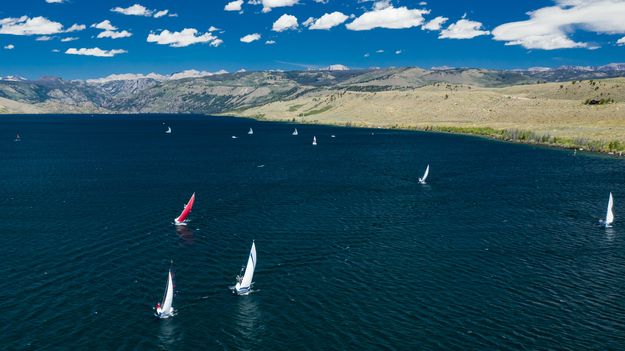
column 314, row 141
column 251, row 132
column 18, row 138
column 609, row 216
column 168, row 131
column 295, row 132
column 165, row 308
column 425, row 175
column 244, row 283
column 234, row 137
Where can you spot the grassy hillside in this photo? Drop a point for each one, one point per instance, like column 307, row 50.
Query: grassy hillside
column 553, row 113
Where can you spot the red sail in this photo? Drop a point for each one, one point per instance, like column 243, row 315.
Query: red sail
column 187, row 209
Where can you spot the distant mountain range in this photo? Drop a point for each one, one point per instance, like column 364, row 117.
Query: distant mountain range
column 220, row 92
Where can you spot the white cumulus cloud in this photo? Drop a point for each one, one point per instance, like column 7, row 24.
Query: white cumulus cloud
column 140, row 10
column 34, row 26
column 95, row 52
column 550, row 27
column 114, row 34
column 285, row 22
column 55, row 1
column 463, row 29
column 161, row 13
column 388, row 17
column 435, row 24
column 328, row 20
column 250, row 38
column 65, row 40
column 233, row 5
column 110, row 31
column 105, row 25
column 270, row 42
column 186, row 37
column 76, row 28
column 134, row 10
column 270, row 4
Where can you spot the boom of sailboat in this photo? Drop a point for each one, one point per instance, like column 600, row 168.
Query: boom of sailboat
column 182, row 219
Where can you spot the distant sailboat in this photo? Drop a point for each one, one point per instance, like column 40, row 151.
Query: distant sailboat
column 17, row 138
column 165, row 308
column 295, row 132
column 168, row 131
column 314, row 141
column 234, row 137
column 609, row 216
column 244, row 283
column 251, row 132
column 425, row 175
column 182, row 219
column 332, row 136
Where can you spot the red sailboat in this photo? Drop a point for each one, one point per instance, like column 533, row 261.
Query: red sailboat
column 182, row 219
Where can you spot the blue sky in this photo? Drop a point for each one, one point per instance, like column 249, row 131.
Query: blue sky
column 143, row 36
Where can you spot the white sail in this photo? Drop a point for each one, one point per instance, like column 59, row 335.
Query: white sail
column 425, row 175
column 166, row 309
column 295, row 132
column 314, row 141
column 609, row 217
column 168, row 131
column 246, row 280
column 250, row 132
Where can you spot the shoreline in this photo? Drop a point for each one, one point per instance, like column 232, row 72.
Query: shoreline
column 612, row 148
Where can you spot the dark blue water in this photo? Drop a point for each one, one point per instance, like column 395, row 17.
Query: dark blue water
column 499, row 251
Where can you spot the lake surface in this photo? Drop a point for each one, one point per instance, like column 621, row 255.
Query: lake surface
column 500, row 250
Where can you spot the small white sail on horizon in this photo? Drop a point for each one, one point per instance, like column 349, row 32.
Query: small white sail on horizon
column 609, row 216
column 18, row 138
column 165, row 309
column 244, row 283
column 314, row 141
column 295, row 132
column 251, row 132
column 425, row 175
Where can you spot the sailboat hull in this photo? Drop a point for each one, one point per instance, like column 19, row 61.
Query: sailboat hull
column 165, row 315
column 176, row 222
column 241, row 291
column 605, row 224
